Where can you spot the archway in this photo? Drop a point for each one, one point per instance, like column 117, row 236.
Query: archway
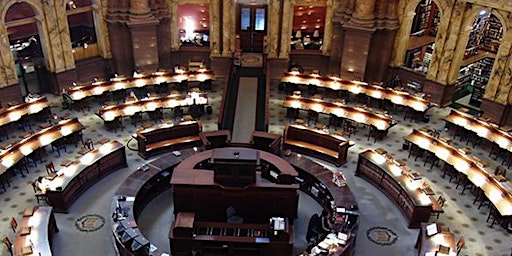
column 26, row 46
column 82, row 29
column 479, row 56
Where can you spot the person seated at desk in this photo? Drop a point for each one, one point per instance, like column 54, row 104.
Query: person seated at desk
column 131, row 97
column 31, row 97
column 324, row 225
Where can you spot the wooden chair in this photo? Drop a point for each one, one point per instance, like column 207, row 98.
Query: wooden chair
column 8, row 244
column 441, row 200
column 500, row 170
column 50, row 168
column 13, row 224
column 460, row 244
column 40, row 195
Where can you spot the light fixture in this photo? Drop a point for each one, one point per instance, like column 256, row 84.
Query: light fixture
column 298, row 34
column 316, row 33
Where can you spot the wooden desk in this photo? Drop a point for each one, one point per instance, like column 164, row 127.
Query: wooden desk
column 168, row 137
column 25, row 147
column 109, row 113
column 143, row 185
column 74, row 179
column 42, row 228
column 316, row 143
column 121, row 83
column 403, row 189
column 430, row 244
column 498, row 192
column 14, row 113
column 357, row 87
column 360, row 115
column 481, row 128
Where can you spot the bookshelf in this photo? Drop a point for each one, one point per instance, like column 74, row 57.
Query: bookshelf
column 427, row 18
column 485, row 35
column 473, row 78
column 492, row 35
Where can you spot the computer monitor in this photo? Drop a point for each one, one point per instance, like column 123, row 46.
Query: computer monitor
column 122, row 226
column 140, row 246
column 128, row 235
column 432, row 229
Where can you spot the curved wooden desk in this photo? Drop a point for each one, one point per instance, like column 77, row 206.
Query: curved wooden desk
column 71, row 181
column 497, row 190
column 406, row 191
column 131, row 108
column 121, row 83
column 12, row 155
column 147, row 182
column 35, row 232
column 481, row 128
column 14, row 113
column 359, row 115
column 357, row 87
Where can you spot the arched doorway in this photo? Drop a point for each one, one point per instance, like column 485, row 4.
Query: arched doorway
column 479, row 56
column 82, row 29
column 25, row 43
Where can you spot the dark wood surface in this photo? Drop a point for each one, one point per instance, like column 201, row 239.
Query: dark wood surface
column 168, row 137
column 132, row 191
column 316, row 143
column 74, row 179
column 404, row 191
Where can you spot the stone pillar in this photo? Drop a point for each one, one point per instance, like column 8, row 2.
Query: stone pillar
column 215, row 28
column 273, row 28
column 355, row 53
column 451, row 40
column 329, row 15
column 286, row 29
column 102, row 33
column 175, row 35
column 227, row 6
column 8, row 74
column 402, row 38
column 143, row 28
column 363, row 16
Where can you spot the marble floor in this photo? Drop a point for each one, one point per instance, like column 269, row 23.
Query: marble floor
column 377, row 211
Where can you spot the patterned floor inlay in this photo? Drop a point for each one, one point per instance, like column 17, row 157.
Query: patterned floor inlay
column 89, row 223
column 382, row 235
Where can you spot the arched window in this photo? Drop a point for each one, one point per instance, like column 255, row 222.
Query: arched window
column 25, row 45
column 81, row 29
column 308, row 25
column 194, row 24
column 423, row 35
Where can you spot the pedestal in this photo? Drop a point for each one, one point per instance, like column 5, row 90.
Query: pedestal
column 441, row 95
column 498, row 113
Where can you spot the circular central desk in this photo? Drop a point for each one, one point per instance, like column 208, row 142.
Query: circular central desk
column 153, row 178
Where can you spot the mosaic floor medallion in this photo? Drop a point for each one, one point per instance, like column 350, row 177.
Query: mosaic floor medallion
column 89, row 223
column 382, row 235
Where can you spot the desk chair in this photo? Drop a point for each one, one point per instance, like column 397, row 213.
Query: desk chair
column 40, row 196
column 87, row 147
column 500, row 170
column 8, row 244
column 58, row 145
column 232, row 217
column 450, row 171
column 50, row 168
column 463, row 180
column 13, row 224
column 349, row 127
column 494, row 216
column 460, row 244
column 441, row 200
column 312, row 116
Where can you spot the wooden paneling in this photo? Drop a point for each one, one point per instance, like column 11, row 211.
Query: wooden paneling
column 381, row 48
column 90, row 68
column 498, row 113
column 10, row 93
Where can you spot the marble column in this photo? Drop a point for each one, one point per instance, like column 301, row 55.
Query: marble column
column 226, row 28
column 49, row 33
column 364, row 14
column 286, row 29
column 215, row 28
column 273, row 28
column 452, row 38
column 329, row 15
column 402, row 37
column 498, row 87
column 102, row 33
column 8, row 74
column 65, row 37
column 175, row 25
